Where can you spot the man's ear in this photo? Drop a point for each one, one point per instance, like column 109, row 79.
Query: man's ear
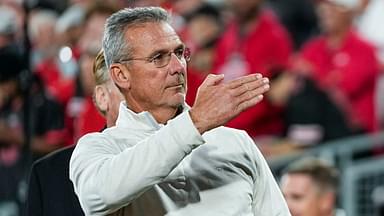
column 101, row 98
column 327, row 202
column 120, row 76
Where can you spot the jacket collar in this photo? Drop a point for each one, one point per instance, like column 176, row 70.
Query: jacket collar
column 143, row 120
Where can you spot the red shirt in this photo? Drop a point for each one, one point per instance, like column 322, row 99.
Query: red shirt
column 352, row 69
column 62, row 89
column 89, row 119
column 266, row 47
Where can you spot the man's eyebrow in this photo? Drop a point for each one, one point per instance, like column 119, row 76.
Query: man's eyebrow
column 155, row 52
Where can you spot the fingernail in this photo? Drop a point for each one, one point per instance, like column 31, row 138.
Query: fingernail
column 258, row 76
column 266, row 86
column 265, row 80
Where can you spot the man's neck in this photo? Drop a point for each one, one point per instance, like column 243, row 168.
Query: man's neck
column 162, row 116
column 336, row 39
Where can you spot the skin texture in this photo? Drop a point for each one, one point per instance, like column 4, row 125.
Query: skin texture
column 304, row 198
column 161, row 91
column 334, row 19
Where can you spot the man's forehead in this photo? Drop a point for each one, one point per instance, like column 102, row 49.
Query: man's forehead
column 152, row 34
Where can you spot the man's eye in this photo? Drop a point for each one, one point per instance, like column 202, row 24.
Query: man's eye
column 157, row 57
column 179, row 53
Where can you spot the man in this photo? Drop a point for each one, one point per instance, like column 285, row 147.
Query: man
column 310, row 187
column 50, row 190
column 160, row 144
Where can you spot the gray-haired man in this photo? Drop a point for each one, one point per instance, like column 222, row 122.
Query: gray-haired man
column 159, row 143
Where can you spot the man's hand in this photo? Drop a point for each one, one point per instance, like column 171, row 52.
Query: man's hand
column 218, row 102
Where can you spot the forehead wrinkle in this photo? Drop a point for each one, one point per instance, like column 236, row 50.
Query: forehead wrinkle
column 159, row 33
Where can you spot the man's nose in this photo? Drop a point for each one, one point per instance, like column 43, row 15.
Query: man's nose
column 176, row 65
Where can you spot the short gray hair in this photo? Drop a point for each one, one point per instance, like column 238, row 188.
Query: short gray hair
column 114, row 45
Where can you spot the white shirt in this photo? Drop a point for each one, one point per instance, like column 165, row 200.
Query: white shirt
column 219, row 173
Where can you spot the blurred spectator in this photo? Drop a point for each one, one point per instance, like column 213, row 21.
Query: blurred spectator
column 12, row 20
column 58, row 70
column 342, row 64
column 41, row 27
column 203, row 28
column 81, row 109
column 9, row 26
column 50, row 191
column 310, row 188
column 254, row 42
column 46, row 127
column 69, row 28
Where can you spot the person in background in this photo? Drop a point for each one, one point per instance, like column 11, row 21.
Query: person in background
column 41, row 33
column 202, row 44
column 86, row 118
column 254, row 42
column 50, row 191
column 194, row 165
column 342, row 64
column 310, row 188
column 46, row 129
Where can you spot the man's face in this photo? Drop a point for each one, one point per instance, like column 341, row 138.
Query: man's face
column 302, row 195
column 332, row 17
column 153, row 88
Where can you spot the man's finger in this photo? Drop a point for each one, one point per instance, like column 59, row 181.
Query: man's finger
column 212, row 80
column 249, row 103
column 249, row 95
column 245, row 79
column 250, row 86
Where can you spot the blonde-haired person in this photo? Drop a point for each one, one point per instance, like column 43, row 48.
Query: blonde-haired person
column 50, row 191
column 107, row 96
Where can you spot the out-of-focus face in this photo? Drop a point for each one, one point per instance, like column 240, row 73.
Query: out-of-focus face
column 333, row 18
column 93, row 31
column 153, row 88
column 302, row 195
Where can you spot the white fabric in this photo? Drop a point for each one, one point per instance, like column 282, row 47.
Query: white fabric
column 219, row 173
column 370, row 25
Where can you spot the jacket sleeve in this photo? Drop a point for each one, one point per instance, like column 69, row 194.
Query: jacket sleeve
column 267, row 197
column 106, row 178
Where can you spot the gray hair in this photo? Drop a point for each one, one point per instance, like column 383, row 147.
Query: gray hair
column 114, row 44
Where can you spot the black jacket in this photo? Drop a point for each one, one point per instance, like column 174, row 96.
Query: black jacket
column 50, row 191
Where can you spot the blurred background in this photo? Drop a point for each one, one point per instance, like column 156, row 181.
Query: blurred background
column 324, row 58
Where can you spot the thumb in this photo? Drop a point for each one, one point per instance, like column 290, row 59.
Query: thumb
column 213, row 79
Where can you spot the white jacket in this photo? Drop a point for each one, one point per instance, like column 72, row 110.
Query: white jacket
column 219, row 173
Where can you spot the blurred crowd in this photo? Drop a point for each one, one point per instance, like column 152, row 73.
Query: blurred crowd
column 324, row 58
